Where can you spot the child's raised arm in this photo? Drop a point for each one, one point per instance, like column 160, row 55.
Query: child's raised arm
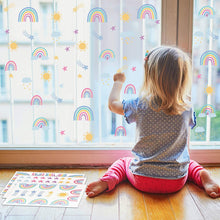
column 114, row 102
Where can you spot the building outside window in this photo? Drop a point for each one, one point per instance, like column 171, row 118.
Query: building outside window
column 3, row 131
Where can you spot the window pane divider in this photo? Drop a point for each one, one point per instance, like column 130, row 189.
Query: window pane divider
column 32, row 75
column 56, row 75
column 10, row 85
column 75, row 123
column 119, row 118
column 209, row 100
column 99, row 80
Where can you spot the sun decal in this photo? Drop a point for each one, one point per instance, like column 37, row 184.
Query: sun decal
column 125, row 17
column 82, row 45
column 62, row 194
column 88, row 137
column 56, row 16
column 209, row 90
column 46, row 76
column 13, row 45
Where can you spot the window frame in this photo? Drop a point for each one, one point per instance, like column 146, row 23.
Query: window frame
column 176, row 30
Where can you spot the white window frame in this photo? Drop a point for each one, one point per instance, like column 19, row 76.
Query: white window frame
column 177, row 21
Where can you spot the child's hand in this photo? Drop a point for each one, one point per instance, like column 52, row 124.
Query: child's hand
column 119, row 77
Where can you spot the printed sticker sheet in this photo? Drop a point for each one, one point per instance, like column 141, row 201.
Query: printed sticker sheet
column 44, row 189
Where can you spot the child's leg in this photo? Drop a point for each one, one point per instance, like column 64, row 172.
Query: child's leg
column 201, row 178
column 115, row 174
column 194, row 173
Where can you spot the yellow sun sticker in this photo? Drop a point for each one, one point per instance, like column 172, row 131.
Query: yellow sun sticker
column 46, row 76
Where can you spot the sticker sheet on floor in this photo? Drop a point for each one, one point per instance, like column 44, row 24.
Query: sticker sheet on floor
column 44, row 189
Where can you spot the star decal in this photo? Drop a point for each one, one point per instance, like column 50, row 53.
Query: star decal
column 199, row 76
column 133, row 68
column 65, row 68
column 113, row 28
column 62, row 132
column 76, row 31
column 67, row 49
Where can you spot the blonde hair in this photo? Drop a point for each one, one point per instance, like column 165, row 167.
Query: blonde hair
column 167, row 80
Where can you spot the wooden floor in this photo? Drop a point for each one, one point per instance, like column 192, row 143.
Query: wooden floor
column 124, row 203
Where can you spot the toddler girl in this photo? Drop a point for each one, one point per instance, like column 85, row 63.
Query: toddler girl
column 163, row 114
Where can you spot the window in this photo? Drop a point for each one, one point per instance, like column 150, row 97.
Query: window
column 73, row 50
column 1, row 17
column 46, row 22
column 62, row 61
column 2, row 82
column 206, row 63
column 3, row 131
column 50, row 133
column 48, row 79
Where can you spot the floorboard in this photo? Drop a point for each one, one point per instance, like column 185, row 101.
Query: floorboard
column 158, row 207
column 132, row 204
column 183, row 205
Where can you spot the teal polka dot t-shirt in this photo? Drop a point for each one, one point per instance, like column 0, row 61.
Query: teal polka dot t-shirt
column 161, row 140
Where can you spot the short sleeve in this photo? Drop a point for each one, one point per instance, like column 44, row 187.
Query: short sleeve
column 130, row 109
column 192, row 121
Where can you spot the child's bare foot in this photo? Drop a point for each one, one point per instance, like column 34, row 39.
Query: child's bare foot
column 211, row 187
column 95, row 188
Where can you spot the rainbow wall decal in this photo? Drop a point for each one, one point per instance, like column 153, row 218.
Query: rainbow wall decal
column 40, row 53
column 60, row 202
column 67, row 187
column 49, row 174
column 76, row 175
column 47, row 187
column 79, row 181
column 87, row 93
column 207, row 110
column 211, row 56
column 120, row 131
column 148, row 10
column 17, row 201
column 76, row 192
column 36, row 100
column 62, row 175
column 39, row 202
column 206, row 11
column 26, row 186
column 11, row 66
column 107, row 54
column 28, row 13
column 40, row 123
column 97, row 14
column 83, row 112
column 130, row 89
column 22, row 173
column 73, row 198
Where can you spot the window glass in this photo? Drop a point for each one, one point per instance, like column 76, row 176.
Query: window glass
column 58, row 63
column 3, row 131
column 2, row 82
column 206, row 68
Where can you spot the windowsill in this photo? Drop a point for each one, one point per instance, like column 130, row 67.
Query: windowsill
column 84, row 155
column 105, row 146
